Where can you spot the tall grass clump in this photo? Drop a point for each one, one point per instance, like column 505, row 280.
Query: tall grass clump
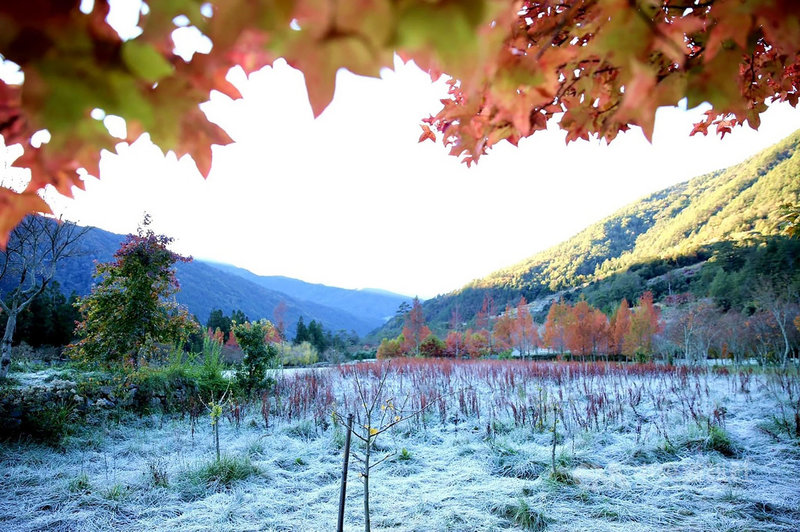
column 225, row 471
column 719, row 440
column 521, row 514
column 156, row 473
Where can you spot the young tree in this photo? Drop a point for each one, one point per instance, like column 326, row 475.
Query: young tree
column 454, row 342
column 763, row 336
column 279, row 313
column 432, row 347
column 27, row 265
column 131, row 310
column 390, row 348
column 476, row 343
column 778, row 296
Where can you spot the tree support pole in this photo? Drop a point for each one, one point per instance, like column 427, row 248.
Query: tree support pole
column 343, row 489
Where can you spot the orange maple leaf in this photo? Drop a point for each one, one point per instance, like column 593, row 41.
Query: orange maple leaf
column 14, row 206
column 426, row 134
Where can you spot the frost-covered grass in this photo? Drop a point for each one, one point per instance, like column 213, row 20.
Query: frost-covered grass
column 637, row 448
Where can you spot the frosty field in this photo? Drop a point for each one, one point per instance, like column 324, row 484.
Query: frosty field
column 637, row 448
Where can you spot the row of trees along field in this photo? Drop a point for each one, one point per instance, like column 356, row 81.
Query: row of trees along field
column 682, row 326
column 579, row 329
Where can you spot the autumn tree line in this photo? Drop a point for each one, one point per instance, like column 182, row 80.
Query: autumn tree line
column 580, row 331
column 682, row 326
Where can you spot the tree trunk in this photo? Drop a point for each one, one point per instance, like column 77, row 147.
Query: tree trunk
column 216, row 437
column 366, row 483
column 5, row 360
column 782, row 325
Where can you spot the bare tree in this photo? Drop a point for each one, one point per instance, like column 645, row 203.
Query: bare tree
column 778, row 296
column 27, row 265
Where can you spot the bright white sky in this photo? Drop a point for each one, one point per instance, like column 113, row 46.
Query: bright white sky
column 352, row 200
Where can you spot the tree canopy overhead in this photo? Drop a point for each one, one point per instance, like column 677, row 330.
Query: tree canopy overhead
column 601, row 65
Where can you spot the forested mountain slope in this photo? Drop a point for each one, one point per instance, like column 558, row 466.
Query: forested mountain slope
column 670, row 229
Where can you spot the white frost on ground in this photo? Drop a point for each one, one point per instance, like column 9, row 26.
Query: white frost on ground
column 457, row 477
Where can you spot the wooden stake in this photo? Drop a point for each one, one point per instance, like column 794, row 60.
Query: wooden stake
column 343, row 490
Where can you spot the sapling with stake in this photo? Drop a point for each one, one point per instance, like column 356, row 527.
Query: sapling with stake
column 368, row 432
column 215, row 411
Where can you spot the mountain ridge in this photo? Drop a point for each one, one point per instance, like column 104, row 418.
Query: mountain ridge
column 205, row 286
column 671, row 228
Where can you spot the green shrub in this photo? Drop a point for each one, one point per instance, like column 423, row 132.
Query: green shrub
column 302, row 354
column 258, row 354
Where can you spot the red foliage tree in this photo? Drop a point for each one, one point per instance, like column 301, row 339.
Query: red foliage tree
column 619, row 327
column 503, row 330
column 414, row 330
column 483, row 320
column 476, row 343
column 557, row 325
column 279, row 314
column 454, row 344
column 525, row 333
column 587, row 330
column 578, row 332
column 645, row 324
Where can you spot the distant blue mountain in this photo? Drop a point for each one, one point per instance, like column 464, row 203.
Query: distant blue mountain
column 367, row 303
column 206, row 286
